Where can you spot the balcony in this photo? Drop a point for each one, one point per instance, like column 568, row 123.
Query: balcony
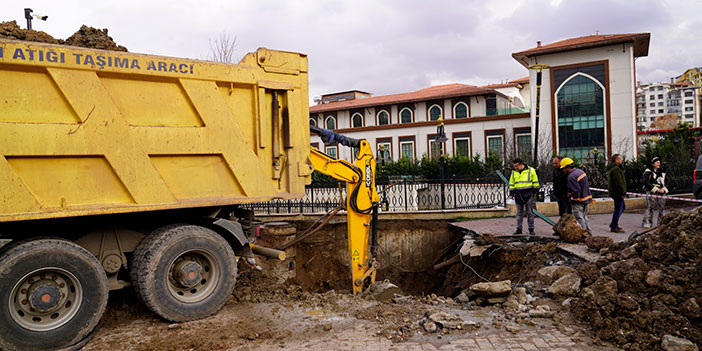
column 506, row 111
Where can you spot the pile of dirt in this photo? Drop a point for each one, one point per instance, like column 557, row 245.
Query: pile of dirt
column 87, row 37
column 646, row 289
column 10, row 30
column 569, row 230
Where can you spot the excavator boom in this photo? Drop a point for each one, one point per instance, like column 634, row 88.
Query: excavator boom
column 361, row 200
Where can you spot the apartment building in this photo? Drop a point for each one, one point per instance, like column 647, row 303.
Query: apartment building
column 658, row 99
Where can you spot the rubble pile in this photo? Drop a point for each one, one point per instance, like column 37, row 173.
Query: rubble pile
column 87, row 37
column 645, row 294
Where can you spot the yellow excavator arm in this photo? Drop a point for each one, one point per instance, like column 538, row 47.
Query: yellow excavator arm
column 361, row 201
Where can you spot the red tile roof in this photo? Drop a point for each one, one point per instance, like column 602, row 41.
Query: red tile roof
column 640, row 40
column 434, row 92
column 500, row 85
column 524, row 80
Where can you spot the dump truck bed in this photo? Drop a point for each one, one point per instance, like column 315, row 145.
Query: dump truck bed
column 86, row 132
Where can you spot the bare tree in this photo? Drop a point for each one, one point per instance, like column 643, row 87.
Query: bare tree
column 223, row 48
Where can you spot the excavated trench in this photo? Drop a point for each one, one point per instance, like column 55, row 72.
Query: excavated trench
column 419, row 256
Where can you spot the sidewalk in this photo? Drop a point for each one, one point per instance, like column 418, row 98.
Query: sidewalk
column 599, row 224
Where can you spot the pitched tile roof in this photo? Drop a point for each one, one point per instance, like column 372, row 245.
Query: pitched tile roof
column 500, row 85
column 640, row 40
column 523, row 80
column 434, row 92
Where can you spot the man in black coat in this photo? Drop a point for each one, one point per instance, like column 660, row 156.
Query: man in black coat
column 560, row 187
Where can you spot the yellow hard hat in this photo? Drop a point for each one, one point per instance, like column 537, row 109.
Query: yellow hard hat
column 566, row 161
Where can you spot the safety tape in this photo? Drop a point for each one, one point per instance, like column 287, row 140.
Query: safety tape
column 651, row 195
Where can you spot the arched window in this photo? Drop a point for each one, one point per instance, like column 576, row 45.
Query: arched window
column 580, row 111
column 330, row 122
column 434, row 112
column 357, row 120
column 313, row 122
column 460, row 110
column 383, row 118
column 406, row 115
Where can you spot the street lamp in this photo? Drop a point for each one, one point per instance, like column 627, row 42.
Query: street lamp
column 441, row 139
column 28, row 15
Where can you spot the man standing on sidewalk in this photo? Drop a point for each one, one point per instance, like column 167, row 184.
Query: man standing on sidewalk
column 616, row 184
column 578, row 192
column 523, row 183
column 560, row 187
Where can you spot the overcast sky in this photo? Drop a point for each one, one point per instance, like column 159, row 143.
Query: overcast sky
column 384, row 47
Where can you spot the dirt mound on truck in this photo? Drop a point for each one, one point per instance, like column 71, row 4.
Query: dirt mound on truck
column 10, row 30
column 87, row 37
column 648, row 288
column 94, row 38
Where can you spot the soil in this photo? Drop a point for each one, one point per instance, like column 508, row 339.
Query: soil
column 632, row 296
column 315, row 309
column 264, row 314
column 643, row 290
column 87, row 37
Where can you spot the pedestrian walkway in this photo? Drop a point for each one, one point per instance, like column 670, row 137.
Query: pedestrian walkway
column 599, row 224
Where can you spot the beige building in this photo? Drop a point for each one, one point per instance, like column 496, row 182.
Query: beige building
column 477, row 120
column 588, row 99
column 588, row 103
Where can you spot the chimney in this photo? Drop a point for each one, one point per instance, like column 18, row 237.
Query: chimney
column 538, row 44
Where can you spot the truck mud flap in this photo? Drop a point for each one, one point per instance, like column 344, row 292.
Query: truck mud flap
column 232, row 232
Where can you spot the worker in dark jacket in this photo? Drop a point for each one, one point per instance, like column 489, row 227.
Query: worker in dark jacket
column 560, row 187
column 523, row 184
column 578, row 192
column 616, row 184
column 654, row 184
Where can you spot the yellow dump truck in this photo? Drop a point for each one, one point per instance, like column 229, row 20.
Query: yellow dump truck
column 122, row 169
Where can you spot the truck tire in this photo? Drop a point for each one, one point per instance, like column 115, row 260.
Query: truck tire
column 53, row 294
column 184, row 272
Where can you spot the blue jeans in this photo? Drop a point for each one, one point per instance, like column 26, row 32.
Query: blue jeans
column 619, row 207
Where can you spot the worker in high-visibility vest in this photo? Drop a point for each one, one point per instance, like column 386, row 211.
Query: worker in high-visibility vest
column 523, row 185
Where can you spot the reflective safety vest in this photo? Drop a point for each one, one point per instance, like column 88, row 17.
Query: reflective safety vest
column 525, row 179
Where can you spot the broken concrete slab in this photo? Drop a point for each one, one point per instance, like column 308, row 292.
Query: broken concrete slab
column 382, row 291
column 672, row 343
column 552, row 273
column 446, row 320
column 492, row 289
column 566, row 286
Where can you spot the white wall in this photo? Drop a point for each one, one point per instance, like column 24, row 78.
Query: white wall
column 622, row 92
column 420, row 133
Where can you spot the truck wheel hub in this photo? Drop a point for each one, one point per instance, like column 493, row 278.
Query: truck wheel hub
column 188, row 273
column 44, row 296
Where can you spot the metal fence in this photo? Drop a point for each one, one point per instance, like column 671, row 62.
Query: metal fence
column 400, row 195
column 411, row 194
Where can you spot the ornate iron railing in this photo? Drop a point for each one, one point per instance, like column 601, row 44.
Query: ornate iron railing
column 399, row 195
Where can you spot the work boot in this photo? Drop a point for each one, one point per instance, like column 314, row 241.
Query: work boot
column 531, row 232
column 518, row 231
column 616, row 230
